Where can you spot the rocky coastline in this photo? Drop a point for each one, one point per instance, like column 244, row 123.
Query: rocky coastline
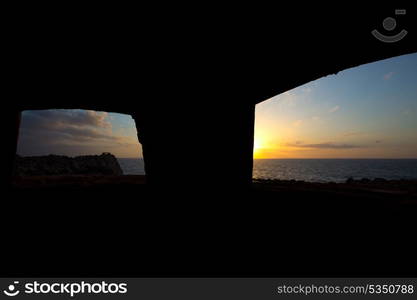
column 104, row 164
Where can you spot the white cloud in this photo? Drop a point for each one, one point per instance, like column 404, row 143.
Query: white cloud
column 333, row 109
column 388, row 75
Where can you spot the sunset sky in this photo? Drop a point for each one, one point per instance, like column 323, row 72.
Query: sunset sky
column 366, row 112
column 77, row 132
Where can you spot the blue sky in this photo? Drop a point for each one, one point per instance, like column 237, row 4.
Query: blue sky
column 367, row 111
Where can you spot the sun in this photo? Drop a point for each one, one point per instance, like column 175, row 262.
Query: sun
column 256, row 144
column 257, row 147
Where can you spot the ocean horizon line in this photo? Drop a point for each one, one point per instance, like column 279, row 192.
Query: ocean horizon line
column 275, row 158
column 310, row 158
column 340, row 158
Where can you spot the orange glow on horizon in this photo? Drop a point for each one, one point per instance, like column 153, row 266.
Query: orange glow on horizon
column 257, row 148
column 263, row 149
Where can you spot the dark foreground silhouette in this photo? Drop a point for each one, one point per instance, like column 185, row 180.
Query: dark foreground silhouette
column 120, row 226
column 397, row 192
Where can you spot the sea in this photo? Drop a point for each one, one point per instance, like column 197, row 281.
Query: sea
column 313, row 170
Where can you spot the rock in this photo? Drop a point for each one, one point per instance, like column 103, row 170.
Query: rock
column 380, row 180
column 104, row 164
column 350, row 180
